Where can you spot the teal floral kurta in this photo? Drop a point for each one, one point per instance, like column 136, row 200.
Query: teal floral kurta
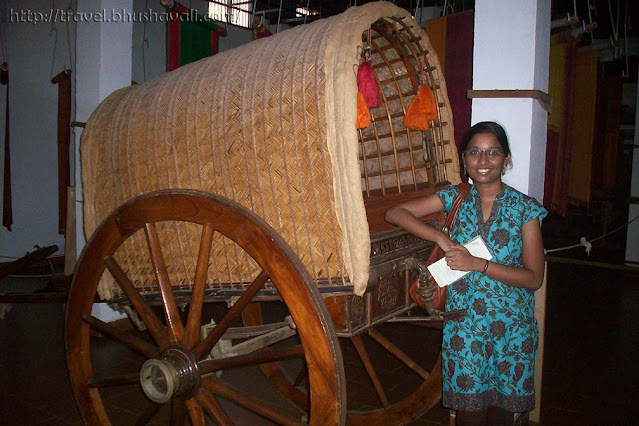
column 488, row 356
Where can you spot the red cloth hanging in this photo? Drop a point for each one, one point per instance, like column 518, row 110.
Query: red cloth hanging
column 458, row 70
column 63, row 80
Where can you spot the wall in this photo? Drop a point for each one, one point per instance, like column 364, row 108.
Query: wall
column 148, row 44
column 34, row 58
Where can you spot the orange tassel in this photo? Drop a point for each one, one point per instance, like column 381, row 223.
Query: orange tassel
column 428, row 102
column 363, row 116
column 421, row 109
column 415, row 119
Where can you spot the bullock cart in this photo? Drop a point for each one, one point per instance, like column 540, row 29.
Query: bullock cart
column 235, row 212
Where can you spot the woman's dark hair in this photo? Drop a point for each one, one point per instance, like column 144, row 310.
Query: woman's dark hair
column 486, row 127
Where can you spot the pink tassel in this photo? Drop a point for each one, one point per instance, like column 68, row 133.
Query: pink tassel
column 367, row 85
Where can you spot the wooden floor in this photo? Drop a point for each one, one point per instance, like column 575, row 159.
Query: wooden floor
column 591, row 367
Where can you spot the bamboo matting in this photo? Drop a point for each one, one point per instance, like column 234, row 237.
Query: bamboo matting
column 271, row 125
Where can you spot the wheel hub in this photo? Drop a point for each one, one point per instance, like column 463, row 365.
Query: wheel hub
column 175, row 373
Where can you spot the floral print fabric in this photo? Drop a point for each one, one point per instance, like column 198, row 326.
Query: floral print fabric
column 488, row 356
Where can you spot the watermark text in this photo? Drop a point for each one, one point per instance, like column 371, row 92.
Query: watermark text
column 54, row 15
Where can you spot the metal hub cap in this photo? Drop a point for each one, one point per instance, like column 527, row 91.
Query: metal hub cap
column 175, row 373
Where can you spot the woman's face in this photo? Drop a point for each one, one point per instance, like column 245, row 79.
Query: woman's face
column 485, row 159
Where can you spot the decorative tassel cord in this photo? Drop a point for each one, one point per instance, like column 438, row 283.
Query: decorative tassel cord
column 583, row 242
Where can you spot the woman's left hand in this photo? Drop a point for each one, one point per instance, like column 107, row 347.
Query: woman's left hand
column 458, row 258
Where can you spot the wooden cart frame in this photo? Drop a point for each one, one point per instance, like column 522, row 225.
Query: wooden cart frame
column 201, row 186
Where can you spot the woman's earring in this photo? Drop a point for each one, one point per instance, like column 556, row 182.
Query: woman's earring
column 464, row 164
column 503, row 172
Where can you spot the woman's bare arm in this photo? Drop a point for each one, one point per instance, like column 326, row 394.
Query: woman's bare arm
column 406, row 215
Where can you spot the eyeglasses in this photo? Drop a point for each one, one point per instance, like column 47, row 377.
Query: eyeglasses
column 490, row 153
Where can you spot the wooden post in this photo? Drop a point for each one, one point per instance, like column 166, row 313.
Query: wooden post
column 7, row 209
column 63, row 80
column 70, row 254
column 540, row 315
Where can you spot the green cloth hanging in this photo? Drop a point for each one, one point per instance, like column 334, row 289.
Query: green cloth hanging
column 191, row 36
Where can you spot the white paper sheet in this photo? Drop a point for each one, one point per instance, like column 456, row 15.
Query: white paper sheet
column 444, row 276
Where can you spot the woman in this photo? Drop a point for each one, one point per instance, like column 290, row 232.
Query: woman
column 488, row 356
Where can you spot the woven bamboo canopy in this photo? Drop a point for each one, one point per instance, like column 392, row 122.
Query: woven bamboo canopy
column 271, row 125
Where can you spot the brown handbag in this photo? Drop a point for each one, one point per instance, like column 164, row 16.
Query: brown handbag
column 424, row 290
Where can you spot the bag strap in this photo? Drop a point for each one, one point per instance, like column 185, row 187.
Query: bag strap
column 464, row 189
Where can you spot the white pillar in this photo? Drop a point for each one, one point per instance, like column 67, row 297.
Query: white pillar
column 512, row 45
column 512, row 42
column 632, row 236
column 103, row 65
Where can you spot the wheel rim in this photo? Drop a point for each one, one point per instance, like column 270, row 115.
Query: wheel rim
column 176, row 354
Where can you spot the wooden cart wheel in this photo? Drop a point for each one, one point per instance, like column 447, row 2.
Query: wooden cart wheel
column 175, row 372
column 394, row 370
column 421, row 380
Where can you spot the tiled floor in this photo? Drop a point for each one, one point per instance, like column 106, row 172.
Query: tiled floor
column 591, row 368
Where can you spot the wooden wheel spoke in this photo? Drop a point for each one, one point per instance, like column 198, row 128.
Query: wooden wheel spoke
column 152, row 322
column 217, row 387
column 205, row 346
column 260, row 357
column 171, row 311
column 213, row 407
column 301, row 377
column 127, row 339
column 252, row 316
column 196, row 414
column 398, row 353
column 368, row 365
column 151, row 410
column 115, row 380
column 192, row 333
column 178, row 412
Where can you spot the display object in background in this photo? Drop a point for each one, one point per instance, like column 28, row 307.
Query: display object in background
column 191, row 37
column 259, row 29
